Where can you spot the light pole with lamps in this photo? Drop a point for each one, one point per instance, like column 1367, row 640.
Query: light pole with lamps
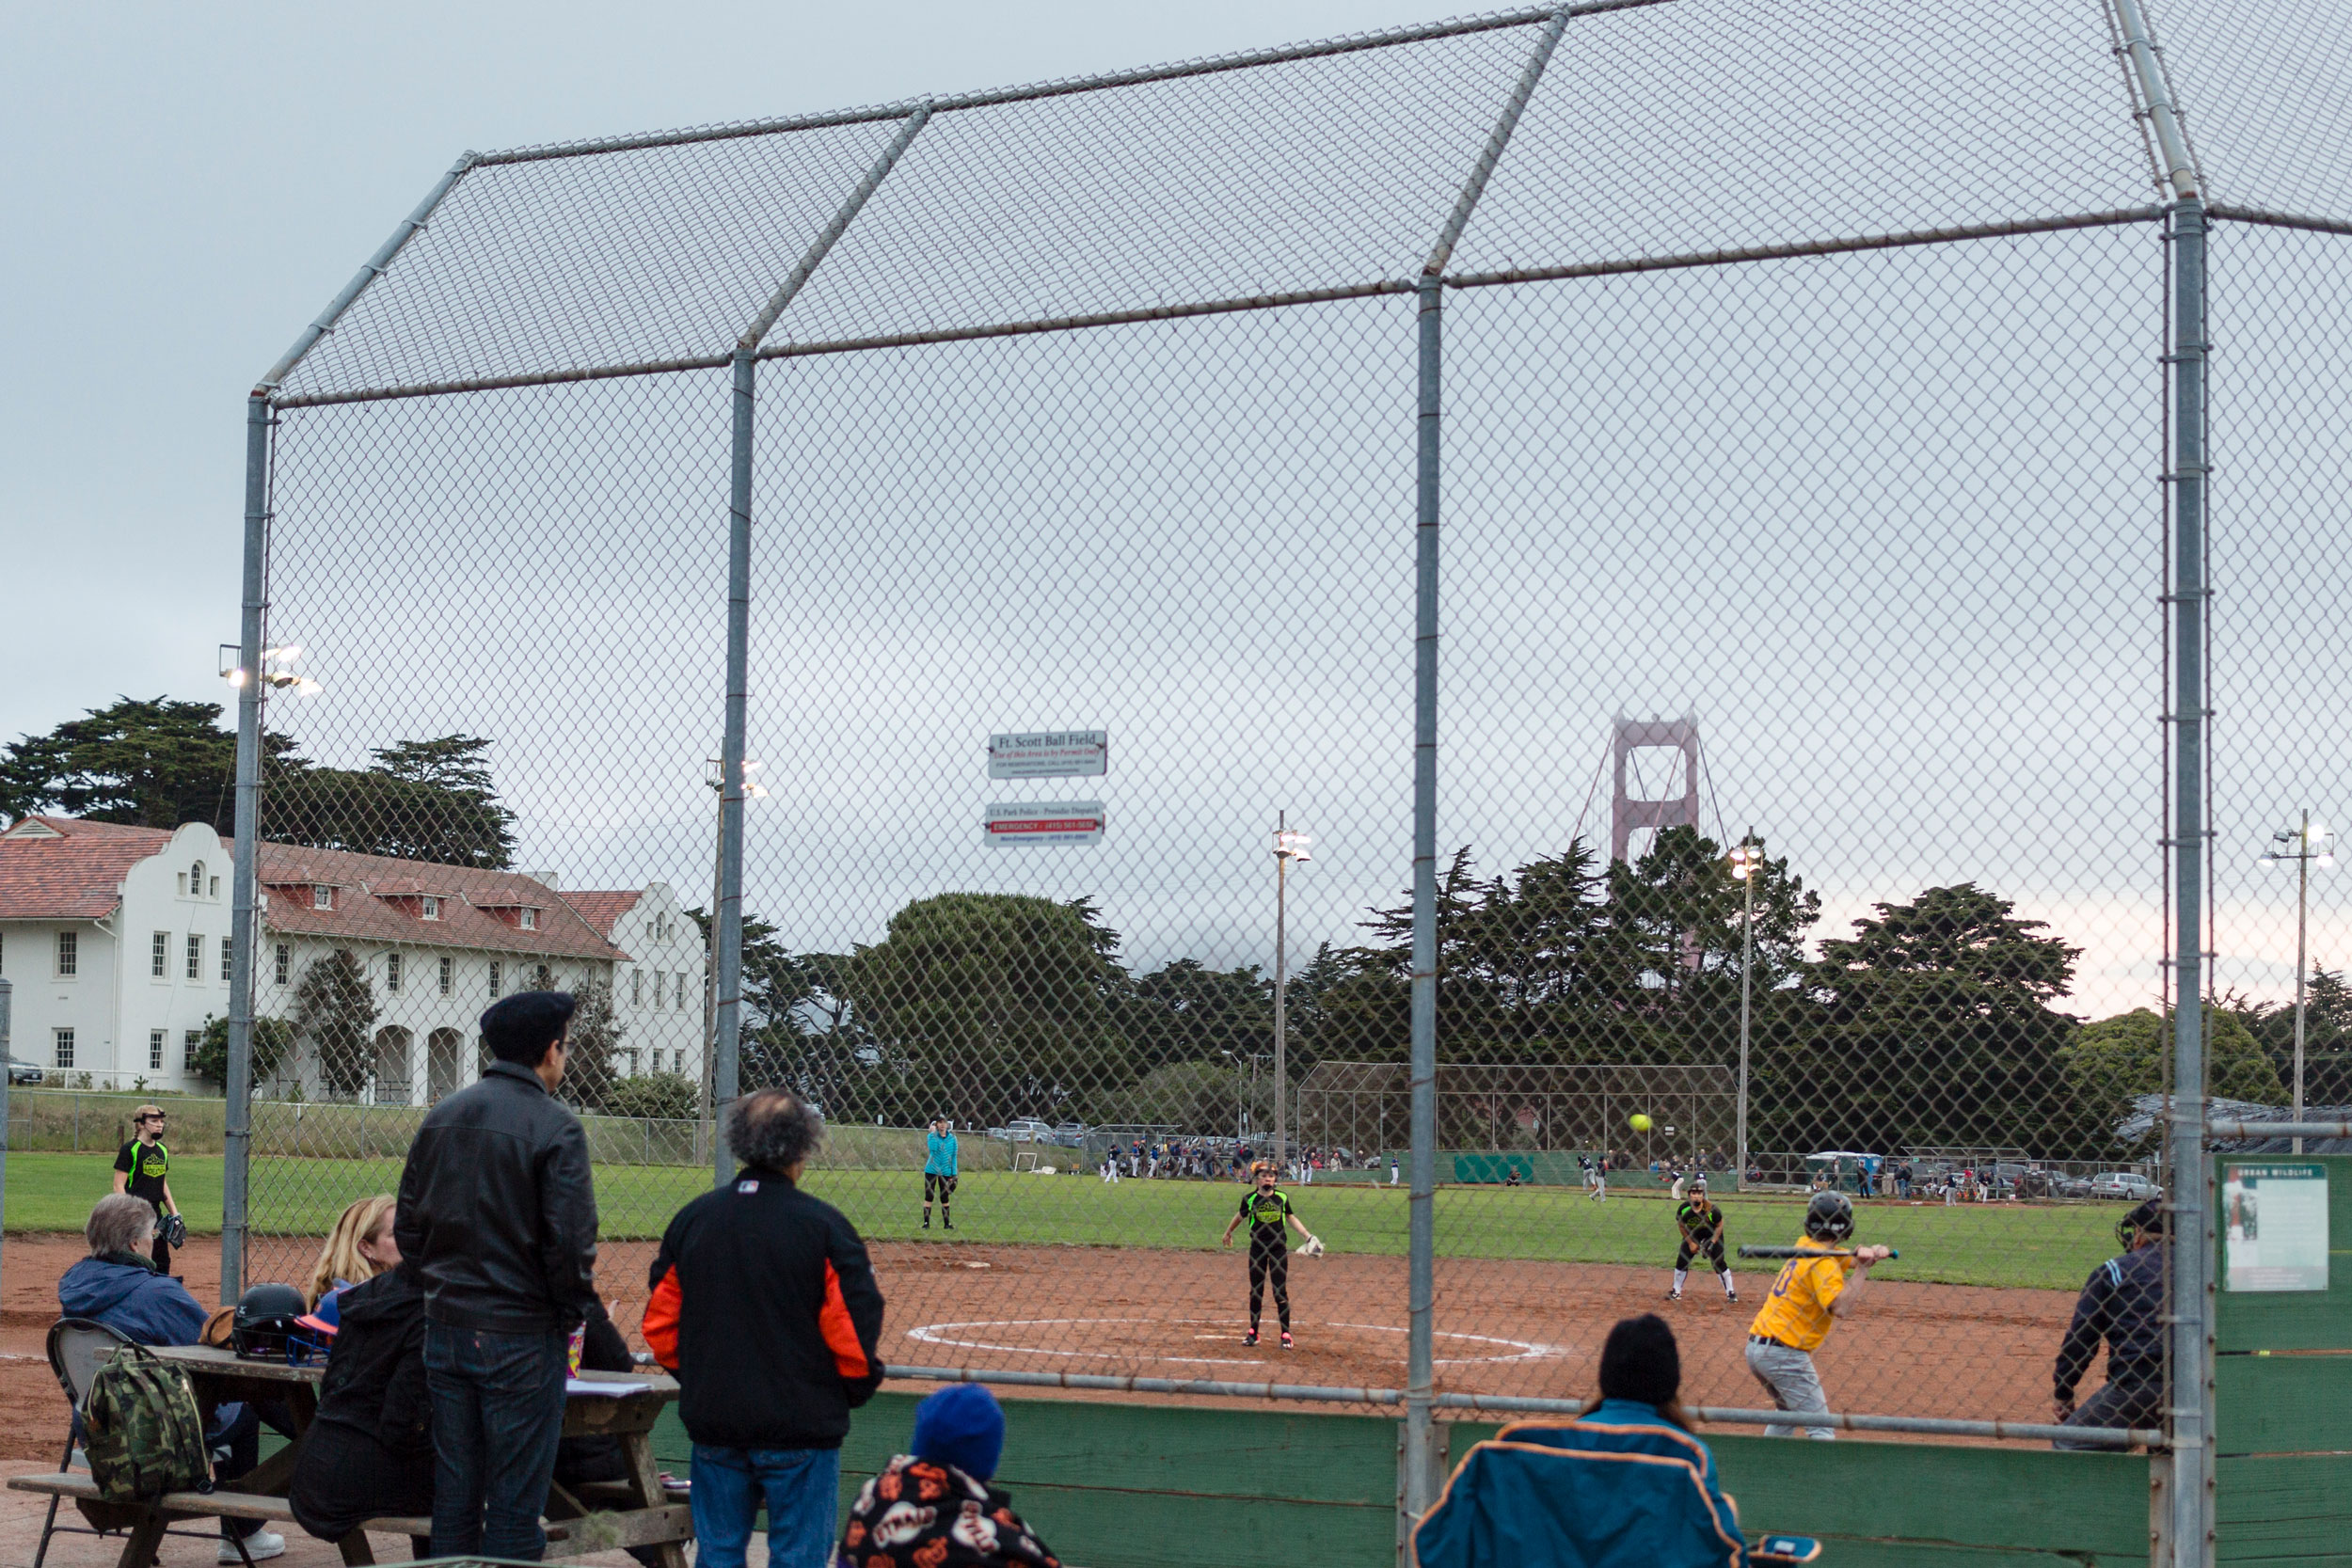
column 2310, row 843
column 1288, row 846
column 1746, row 858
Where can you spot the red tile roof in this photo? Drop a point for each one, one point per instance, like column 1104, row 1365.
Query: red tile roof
column 77, row 875
column 604, row 910
column 365, row 882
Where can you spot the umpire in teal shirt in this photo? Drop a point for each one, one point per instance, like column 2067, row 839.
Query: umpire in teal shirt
column 939, row 1173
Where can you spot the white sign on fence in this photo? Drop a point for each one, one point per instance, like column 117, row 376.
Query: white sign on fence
column 1045, row 822
column 1050, row 754
column 2275, row 1219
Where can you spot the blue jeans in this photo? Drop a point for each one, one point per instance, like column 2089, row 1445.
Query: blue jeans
column 800, row 1486
column 498, row 1410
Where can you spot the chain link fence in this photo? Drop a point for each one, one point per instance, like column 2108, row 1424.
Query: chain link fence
column 1794, row 799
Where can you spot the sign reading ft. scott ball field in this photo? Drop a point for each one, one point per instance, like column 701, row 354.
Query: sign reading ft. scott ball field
column 1050, row 754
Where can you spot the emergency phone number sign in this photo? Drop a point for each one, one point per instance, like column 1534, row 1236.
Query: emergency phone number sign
column 1045, row 822
column 1050, row 754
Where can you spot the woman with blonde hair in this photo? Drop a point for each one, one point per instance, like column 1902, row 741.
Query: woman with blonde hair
column 359, row 1248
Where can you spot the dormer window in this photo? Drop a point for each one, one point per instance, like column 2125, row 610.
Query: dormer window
column 529, row 920
column 429, row 907
column 321, row 896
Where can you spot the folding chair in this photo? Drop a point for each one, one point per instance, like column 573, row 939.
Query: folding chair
column 77, row 1348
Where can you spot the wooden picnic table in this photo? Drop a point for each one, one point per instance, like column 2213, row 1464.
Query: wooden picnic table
column 634, row 1511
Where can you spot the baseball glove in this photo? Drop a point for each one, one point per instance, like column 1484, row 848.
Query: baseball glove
column 1311, row 1247
column 175, row 1231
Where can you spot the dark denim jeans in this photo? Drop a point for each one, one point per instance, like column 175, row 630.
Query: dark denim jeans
column 498, row 1410
column 800, row 1487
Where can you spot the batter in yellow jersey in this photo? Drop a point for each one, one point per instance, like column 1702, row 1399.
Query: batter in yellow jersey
column 1812, row 1292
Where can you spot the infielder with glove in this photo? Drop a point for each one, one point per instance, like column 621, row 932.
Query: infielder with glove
column 143, row 1169
column 1268, row 1210
column 1702, row 1226
column 1810, row 1295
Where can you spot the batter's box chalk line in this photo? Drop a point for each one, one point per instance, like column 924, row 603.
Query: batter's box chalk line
column 945, row 1334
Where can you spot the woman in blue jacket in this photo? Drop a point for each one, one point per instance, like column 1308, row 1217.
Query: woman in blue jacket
column 1625, row 1485
column 939, row 1172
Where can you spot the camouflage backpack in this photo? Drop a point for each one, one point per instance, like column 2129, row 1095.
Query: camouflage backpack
column 142, row 1431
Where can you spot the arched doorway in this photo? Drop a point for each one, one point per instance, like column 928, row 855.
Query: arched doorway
column 443, row 1059
column 392, row 1086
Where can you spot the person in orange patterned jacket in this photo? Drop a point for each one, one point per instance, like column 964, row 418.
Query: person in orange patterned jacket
column 933, row 1508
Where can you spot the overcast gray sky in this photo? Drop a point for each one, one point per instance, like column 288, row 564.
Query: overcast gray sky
column 185, row 187
column 1904, row 573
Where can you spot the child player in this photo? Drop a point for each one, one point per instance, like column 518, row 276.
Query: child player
column 142, row 1168
column 1268, row 1210
column 1702, row 1226
column 939, row 1172
column 1813, row 1290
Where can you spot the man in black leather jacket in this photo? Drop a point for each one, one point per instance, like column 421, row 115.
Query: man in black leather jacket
column 499, row 1215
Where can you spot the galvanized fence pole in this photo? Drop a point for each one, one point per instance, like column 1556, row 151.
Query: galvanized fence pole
column 8, row 1060
column 727, row 1041
column 2191, row 1227
column 245, row 923
column 1420, row 1435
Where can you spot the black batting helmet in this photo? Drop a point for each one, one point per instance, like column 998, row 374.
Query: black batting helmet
column 2147, row 1219
column 1829, row 1217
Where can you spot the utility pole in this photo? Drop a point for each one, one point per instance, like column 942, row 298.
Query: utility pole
column 1288, row 846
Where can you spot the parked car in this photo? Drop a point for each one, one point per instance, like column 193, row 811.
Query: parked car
column 2070, row 1186
column 1022, row 1130
column 23, row 1072
column 2126, row 1186
column 1070, row 1134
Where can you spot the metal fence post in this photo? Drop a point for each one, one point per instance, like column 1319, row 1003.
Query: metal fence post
column 8, row 1060
column 2191, row 1228
column 244, row 925
column 1418, row 1433
column 2189, row 1233
column 727, row 1038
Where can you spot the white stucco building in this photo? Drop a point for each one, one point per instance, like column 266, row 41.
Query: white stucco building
column 116, row 940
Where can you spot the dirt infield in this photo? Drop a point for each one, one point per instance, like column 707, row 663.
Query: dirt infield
column 1535, row 1328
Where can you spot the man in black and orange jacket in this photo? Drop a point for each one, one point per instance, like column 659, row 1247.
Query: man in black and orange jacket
column 764, row 1307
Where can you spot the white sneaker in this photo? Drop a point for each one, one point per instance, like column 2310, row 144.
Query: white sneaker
column 260, row 1543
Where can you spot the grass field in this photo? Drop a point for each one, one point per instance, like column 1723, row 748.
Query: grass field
column 1970, row 1245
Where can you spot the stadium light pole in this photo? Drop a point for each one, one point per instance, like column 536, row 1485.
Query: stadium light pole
column 1288, row 846
column 2310, row 843
column 1745, row 858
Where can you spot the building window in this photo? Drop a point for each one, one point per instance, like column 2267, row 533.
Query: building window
column 215, row 888
column 448, row 975
column 190, row 1043
column 681, row 991
column 497, row 972
column 636, row 989
column 531, row 920
column 65, row 1046
column 196, row 957
column 155, row 1050
column 285, row 963
column 391, row 972
column 69, row 955
column 547, row 981
column 196, row 880
column 228, row 961
column 322, row 897
column 159, row 956
column 180, row 881
column 429, row 908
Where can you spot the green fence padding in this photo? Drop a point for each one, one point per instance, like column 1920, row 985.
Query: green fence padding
column 2283, row 1405
column 1892, row 1502
column 2294, row 1510
column 2295, row 1320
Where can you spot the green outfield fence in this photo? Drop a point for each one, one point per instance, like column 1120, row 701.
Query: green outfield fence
column 1754, row 577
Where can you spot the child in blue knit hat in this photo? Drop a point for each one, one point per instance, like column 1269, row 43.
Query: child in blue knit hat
column 933, row 1508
